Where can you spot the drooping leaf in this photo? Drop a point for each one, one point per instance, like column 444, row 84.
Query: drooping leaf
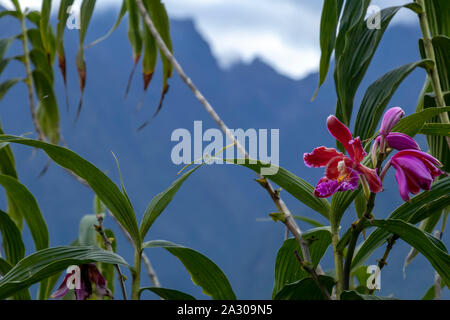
column 436, row 129
column 12, row 239
column 134, row 36
column 312, row 222
column 6, row 85
column 160, row 202
column 25, row 203
column 203, row 271
column 47, row 111
column 107, row 191
column 45, row 263
column 305, row 289
column 287, row 267
column 169, row 294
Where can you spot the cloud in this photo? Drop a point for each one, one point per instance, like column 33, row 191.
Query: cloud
column 282, row 33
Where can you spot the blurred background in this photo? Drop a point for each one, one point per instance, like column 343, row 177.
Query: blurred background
column 257, row 63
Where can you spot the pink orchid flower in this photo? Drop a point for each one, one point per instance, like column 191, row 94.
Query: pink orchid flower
column 342, row 172
column 415, row 170
column 89, row 275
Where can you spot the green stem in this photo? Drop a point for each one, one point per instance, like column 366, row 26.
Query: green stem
column 434, row 72
column 29, row 78
column 136, row 282
column 338, row 259
column 356, row 230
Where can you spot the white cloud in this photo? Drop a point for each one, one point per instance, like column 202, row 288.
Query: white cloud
column 283, row 33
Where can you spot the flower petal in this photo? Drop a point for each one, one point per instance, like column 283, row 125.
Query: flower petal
column 351, row 183
column 320, row 157
column 390, row 119
column 326, row 187
column 332, row 170
column 341, row 133
column 374, row 181
column 358, row 150
column 418, row 154
column 402, row 184
column 63, row 288
column 416, row 172
column 401, row 141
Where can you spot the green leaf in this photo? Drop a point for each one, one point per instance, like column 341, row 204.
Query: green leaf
column 45, row 263
column 134, row 32
column 328, row 26
column 305, row 289
column 417, row 209
column 437, row 14
column 12, row 239
column 150, row 56
column 378, row 96
column 63, row 15
column 169, row 294
column 288, row 181
column 99, row 207
column 424, row 242
column 203, row 271
column 47, row 111
column 87, row 236
column 6, row 85
column 107, row 191
column 430, row 294
column 340, row 202
column 4, row 46
column 353, row 295
column 123, row 11
column 412, row 124
column 353, row 62
column 161, row 201
column 86, row 11
column 24, row 202
column 5, row 266
column 436, row 129
column 312, row 222
column 44, row 25
column 287, row 267
column 158, row 13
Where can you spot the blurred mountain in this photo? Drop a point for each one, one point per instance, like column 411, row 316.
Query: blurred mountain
column 216, row 212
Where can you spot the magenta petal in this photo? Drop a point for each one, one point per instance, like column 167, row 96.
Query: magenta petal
column 350, row 183
column 402, row 184
column 401, row 141
column 390, row 119
column 416, row 171
column 326, row 187
column 63, row 288
column 320, row 157
column 418, row 154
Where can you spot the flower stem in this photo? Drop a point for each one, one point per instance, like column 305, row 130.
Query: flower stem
column 434, row 72
column 338, row 259
column 136, row 281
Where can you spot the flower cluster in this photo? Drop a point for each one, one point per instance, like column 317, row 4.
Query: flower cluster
column 89, row 275
column 415, row 169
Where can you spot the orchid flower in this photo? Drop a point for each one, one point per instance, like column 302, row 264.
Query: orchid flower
column 89, row 275
column 415, row 170
column 342, row 172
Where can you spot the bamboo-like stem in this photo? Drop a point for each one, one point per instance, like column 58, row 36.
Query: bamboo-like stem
column 434, row 72
column 29, row 78
column 305, row 266
column 288, row 219
column 108, row 245
column 338, row 259
column 150, row 270
column 136, row 275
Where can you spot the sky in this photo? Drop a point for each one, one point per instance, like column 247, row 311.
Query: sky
column 282, row 33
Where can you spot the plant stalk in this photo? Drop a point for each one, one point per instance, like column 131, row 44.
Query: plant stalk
column 136, row 275
column 434, row 72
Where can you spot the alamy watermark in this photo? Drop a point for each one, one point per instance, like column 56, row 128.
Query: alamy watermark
column 74, row 280
column 219, row 148
column 373, row 17
column 374, row 280
column 73, row 21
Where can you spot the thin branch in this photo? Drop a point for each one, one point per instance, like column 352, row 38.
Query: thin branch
column 288, row 219
column 108, row 245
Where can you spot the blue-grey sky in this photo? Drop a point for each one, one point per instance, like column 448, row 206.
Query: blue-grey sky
column 282, row 33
